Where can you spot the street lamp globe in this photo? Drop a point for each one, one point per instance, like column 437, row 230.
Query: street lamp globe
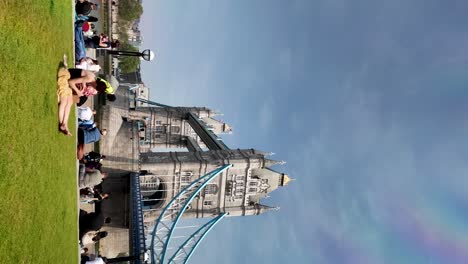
column 147, row 55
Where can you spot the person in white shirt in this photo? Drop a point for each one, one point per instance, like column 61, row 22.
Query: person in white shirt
column 85, row 113
column 88, row 64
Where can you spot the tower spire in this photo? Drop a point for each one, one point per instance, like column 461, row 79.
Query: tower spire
column 270, row 162
column 286, row 179
column 261, row 208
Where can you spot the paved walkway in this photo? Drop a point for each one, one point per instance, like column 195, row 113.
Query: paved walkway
column 90, row 102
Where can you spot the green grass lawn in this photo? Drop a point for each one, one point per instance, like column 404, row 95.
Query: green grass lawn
column 38, row 208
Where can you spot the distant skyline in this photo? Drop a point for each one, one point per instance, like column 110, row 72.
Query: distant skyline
column 365, row 100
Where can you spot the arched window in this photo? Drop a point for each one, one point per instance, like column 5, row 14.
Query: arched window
column 175, row 129
column 154, row 199
column 211, row 189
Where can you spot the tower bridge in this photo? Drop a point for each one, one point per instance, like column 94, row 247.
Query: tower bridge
column 203, row 184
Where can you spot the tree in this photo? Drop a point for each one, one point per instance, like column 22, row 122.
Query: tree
column 130, row 10
column 128, row 64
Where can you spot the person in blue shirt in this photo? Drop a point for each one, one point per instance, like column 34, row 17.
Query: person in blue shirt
column 86, row 125
column 87, row 136
column 91, row 135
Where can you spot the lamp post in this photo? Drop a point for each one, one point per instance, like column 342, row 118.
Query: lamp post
column 147, row 54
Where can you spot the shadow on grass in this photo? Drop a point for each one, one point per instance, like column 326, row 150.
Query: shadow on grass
column 51, row 6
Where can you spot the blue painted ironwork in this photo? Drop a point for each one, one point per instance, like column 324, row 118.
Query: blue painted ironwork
column 174, row 205
column 203, row 231
column 137, row 228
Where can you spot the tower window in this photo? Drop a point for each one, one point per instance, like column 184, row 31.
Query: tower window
column 211, row 189
column 253, row 183
column 207, row 203
column 187, row 173
column 184, row 179
column 252, row 190
column 160, row 129
column 175, row 129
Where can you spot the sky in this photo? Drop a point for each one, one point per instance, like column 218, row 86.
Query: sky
column 366, row 102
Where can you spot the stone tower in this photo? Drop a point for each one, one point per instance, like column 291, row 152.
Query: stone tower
column 176, row 127
column 143, row 177
column 237, row 191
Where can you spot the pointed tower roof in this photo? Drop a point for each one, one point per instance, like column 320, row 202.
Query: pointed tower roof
column 227, row 128
column 265, row 208
column 270, row 162
column 286, row 179
column 261, row 152
column 216, row 112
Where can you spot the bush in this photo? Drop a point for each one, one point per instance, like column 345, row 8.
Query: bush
column 128, row 64
column 130, row 10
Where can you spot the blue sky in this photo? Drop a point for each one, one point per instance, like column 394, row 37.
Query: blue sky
column 364, row 99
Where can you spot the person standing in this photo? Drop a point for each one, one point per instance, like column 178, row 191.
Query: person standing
column 91, row 178
column 92, row 221
column 84, row 7
column 87, row 136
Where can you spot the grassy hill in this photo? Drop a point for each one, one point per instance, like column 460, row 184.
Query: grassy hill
column 38, row 208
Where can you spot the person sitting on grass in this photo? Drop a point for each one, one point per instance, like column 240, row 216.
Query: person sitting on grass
column 83, row 83
column 101, row 86
column 80, row 47
column 65, row 94
column 70, row 81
